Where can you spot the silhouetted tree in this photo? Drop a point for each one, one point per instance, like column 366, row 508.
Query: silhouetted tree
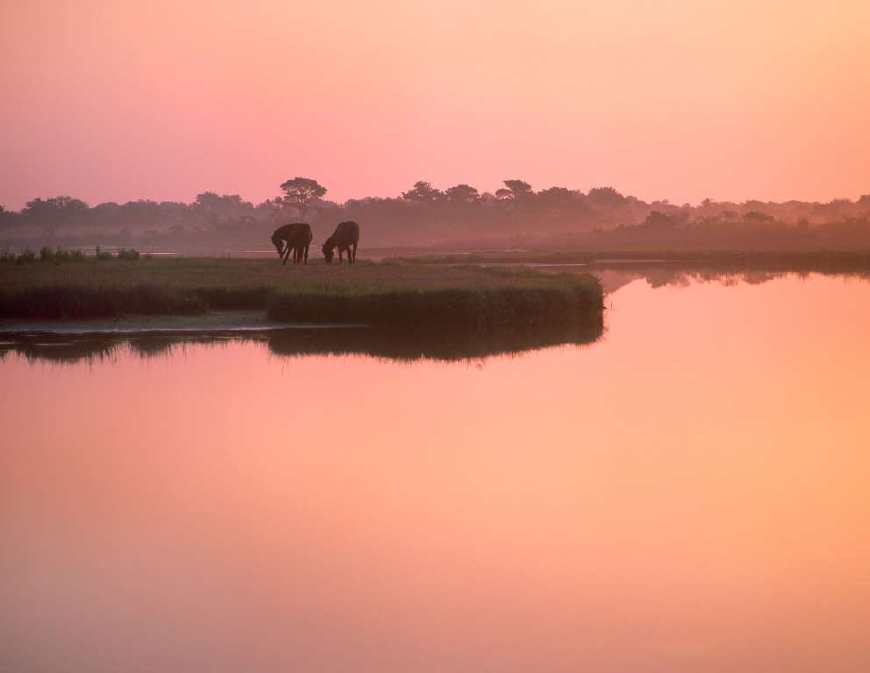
column 142, row 215
column 519, row 189
column 462, row 194
column 657, row 220
column 426, row 214
column 7, row 217
column 54, row 212
column 221, row 210
column 557, row 195
column 606, row 196
column 300, row 192
column 423, row 192
column 755, row 217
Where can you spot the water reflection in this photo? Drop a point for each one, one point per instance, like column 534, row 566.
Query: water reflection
column 670, row 275
column 686, row 493
column 446, row 345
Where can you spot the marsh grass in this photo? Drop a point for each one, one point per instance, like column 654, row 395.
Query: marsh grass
column 480, row 309
column 393, row 294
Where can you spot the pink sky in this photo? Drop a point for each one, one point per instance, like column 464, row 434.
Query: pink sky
column 679, row 99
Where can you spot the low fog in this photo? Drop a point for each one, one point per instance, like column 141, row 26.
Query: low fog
column 428, row 216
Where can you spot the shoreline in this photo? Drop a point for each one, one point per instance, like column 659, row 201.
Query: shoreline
column 240, row 321
column 190, row 293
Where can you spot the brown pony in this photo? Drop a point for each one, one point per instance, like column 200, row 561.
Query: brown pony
column 346, row 239
column 296, row 237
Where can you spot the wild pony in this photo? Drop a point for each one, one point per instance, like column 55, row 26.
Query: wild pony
column 346, row 239
column 296, row 237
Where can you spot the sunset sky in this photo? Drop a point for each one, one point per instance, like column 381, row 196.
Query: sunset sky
column 676, row 99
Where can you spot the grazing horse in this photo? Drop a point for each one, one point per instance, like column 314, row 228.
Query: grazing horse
column 346, row 239
column 296, row 237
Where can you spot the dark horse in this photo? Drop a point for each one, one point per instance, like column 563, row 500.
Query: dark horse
column 345, row 238
column 296, row 237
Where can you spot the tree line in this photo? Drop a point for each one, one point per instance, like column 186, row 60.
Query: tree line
column 426, row 215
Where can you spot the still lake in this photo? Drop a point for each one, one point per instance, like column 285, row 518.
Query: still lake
column 687, row 492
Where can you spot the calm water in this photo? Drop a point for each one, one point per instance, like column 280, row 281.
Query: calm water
column 687, row 493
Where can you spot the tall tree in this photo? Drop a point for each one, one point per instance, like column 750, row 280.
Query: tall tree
column 300, row 192
column 556, row 195
column 519, row 189
column 54, row 212
column 423, row 192
column 216, row 210
column 462, row 194
column 605, row 196
column 658, row 220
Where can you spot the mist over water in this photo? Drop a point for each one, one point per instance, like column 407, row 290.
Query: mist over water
column 684, row 490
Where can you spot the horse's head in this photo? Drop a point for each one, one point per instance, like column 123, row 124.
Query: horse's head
column 328, row 252
column 279, row 245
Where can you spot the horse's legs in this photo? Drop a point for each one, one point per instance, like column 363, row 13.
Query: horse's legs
column 286, row 255
column 354, row 252
column 340, row 254
column 306, row 253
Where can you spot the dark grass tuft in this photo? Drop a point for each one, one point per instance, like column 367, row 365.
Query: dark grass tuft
column 234, row 298
column 468, row 308
column 130, row 255
column 97, row 302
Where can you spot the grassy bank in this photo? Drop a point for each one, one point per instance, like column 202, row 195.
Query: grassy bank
column 389, row 294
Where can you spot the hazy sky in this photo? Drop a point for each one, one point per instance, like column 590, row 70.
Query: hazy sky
column 677, row 99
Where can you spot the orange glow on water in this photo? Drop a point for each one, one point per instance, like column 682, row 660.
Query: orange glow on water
column 689, row 493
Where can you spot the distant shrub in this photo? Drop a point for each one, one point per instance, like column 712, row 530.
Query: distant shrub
column 25, row 257
column 58, row 255
column 6, row 256
column 103, row 255
column 467, row 308
column 65, row 255
column 130, row 255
